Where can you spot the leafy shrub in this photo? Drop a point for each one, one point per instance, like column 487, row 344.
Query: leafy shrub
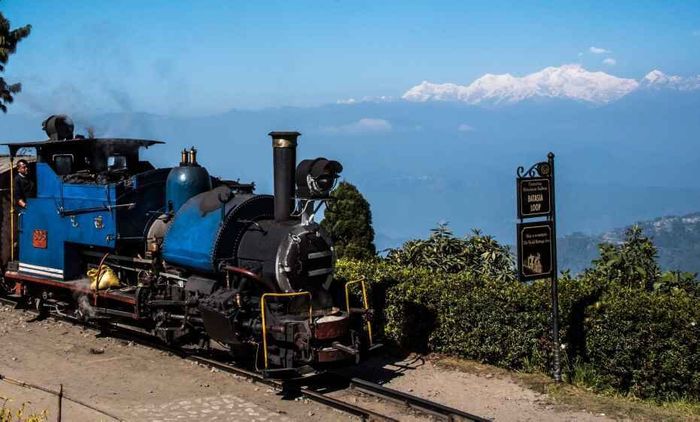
column 632, row 263
column 444, row 252
column 646, row 343
column 624, row 326
column 504, row 323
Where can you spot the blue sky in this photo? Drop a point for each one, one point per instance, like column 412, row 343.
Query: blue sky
column 195, row 58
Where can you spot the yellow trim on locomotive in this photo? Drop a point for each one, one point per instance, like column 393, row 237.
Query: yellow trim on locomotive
column 364, row 302
column 262, row 314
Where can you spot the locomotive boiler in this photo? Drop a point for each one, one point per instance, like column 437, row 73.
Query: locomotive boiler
column 191, row 258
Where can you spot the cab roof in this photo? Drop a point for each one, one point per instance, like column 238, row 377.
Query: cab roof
column 82, row 142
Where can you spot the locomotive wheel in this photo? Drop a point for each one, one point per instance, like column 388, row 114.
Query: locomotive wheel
column 40, row 307
column 4, row 288
column 105, row 328
column 84, row 311
column 204, row 343
column 241, row 351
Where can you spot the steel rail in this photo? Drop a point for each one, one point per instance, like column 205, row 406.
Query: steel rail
column 8, row 302
column 362, row 413
column 418, row 403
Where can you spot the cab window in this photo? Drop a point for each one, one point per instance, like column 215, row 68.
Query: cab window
column 116, row 162
column 63, row 163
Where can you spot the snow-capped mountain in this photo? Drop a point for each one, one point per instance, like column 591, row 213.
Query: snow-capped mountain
column 569, row 81
column 657, row 79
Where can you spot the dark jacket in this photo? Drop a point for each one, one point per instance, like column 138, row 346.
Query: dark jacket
column 24, row 188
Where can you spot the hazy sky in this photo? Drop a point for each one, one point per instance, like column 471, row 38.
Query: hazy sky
column 200, row 57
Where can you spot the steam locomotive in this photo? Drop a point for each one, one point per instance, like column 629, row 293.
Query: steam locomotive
column 188, row 257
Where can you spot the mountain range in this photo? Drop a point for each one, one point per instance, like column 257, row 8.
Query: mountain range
column 626, row 150
column 569, row 81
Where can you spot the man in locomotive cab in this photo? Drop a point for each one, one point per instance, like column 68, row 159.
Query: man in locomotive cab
column 24, row 185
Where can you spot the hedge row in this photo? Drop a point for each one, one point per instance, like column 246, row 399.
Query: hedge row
column 614, row 336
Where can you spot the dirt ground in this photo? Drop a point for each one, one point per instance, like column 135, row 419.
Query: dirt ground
column 127, row 380
column 493, row 396
column 135, row 382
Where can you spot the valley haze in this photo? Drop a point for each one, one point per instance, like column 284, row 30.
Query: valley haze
column 626, row 149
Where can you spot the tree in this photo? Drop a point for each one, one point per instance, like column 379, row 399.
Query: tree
column 348, row 220
column 9, row 38
column 442, row 251
column 632, row 263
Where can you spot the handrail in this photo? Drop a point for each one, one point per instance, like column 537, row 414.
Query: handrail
column 262, row 313
column 79, row 211
column 365, row 302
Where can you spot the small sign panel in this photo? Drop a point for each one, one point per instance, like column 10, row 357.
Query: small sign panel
column 39, row 239
column 535, row 250
column 534, row 197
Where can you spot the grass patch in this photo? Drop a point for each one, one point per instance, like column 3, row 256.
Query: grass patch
column 575, row 396
column 21, row 414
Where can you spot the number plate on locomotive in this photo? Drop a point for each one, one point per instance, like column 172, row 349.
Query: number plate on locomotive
column 39, row 239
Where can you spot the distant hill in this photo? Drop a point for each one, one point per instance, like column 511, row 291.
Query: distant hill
column 677, row 239
column 425, row 160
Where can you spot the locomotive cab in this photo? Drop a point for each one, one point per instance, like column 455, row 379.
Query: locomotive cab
column 81, row 203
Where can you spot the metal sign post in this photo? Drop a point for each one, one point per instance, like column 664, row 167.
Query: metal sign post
column 537, row 240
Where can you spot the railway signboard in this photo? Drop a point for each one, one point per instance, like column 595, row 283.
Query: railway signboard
column 535, row 250
column 537, row 240
column 534, row 196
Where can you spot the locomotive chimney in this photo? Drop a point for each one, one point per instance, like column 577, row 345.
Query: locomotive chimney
column 284, row 150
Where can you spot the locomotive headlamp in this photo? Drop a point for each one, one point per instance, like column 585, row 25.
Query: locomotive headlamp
column 315, row 178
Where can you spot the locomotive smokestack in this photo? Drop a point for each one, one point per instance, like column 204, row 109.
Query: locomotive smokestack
column 58, row 127
column 284, row 150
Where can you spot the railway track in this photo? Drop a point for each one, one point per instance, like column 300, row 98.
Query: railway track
column 353, row 385
column 362, row 413
column 437, row 410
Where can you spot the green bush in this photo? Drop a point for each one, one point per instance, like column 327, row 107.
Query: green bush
column 623, row 326
column 645, row 343
column 504, row 323
column 443, row 252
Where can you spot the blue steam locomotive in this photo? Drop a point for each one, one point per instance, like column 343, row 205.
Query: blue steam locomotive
column 188, row 257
